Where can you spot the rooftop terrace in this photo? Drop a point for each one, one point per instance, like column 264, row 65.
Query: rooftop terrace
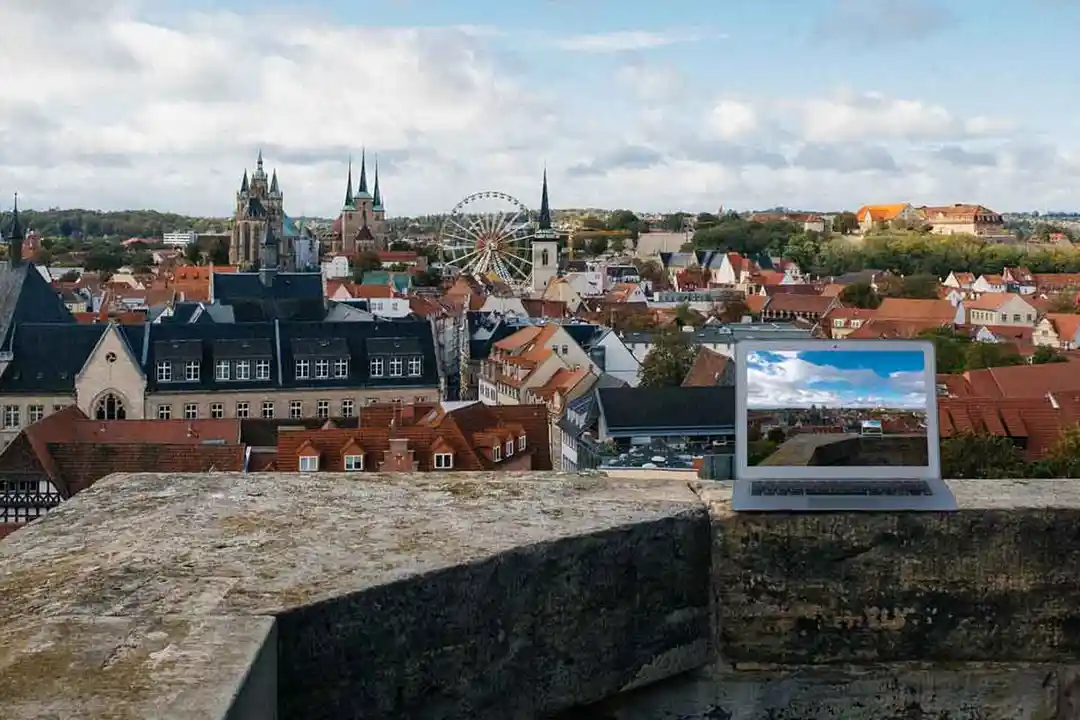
column 516, row 596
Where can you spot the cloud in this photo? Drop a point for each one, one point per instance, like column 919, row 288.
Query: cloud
column 629, row 40
column 785, row 380
column 873, row 22
column 731, row 119
column 845, row 157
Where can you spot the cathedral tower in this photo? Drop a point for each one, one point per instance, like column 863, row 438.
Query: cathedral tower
column 362, row 223
column 545, row 244
column 259, row 207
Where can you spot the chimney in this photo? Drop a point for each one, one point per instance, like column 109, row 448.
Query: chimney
column 399, row 458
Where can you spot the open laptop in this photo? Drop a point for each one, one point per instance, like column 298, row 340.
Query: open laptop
column 837, row 426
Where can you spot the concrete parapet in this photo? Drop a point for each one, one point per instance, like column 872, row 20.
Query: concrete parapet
column 518, row 596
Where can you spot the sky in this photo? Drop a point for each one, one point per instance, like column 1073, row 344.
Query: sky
column 677, row 105
column 836, row 378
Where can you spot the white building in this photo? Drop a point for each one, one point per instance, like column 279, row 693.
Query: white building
column 180, row 238
column 336, row 267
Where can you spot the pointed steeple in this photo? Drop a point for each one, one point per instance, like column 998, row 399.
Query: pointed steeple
column 545, row 207
column 244, row 183
column 260, row 160
column 362, row 191
column 376, row 202
column 348, row 187
column 273, row 184
column 260, row 173
column 15, row 237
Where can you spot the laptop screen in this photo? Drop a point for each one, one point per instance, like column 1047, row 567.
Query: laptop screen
column 822, row 409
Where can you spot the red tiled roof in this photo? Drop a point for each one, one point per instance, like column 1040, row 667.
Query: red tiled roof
column 1020, row 381
column 810, row 304
column 909, row 309
column 1035, row 419
column 707, row 369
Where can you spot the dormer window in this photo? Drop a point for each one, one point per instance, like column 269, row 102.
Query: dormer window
column 309, row 463
column 396, row 367
column 303, row 370
column 164, row 371
column 243, row 370
column 322, row 369
column 496, row 453
column 376, row 367
column 341, row 368
column 191, row 371
column 354, row 463
column 415, row 366
column 444, row 461
column 222, row 370
column 521, row 443
column 509, row 448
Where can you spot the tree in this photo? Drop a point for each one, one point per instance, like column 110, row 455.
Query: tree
column 617, row 244
column 1045, row 354
column 674, row 222
column 704, row 220
column 193, row 253
column 650, row 271
column 366, row 262
column 949, row 349
column 219, row 253
column 860, row 295
column 733, row 311
column 591, row 222
column 979, row 355
column 687, row 316
column 918, row 287
column 669, row 360
column 981, row 456
column 845, row 223
column 1062, row 459
column 426, row 278
column 1063, row 303
column 624, row 220
column 598, row 245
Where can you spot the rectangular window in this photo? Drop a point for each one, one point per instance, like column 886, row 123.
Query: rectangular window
column 164, row 412
column 354, row 463
column 34, row 413
column 296, row 409
column 509, row 448
column 243, row 410
column 243, row 369
column 217, row 410
column 191, row 371
column 521, row 443
column 396, row 367
column 309, row 463
column 322, row 409
column 221, row 370
column 191, row 411
column 415, row 366
column 444, row 461
column 303, row 370
column 348, row 407
column 11, row 417
column 268, row 409
column 496, row 453
column 322, row 369
column 164, row 371
column 376, row 367
column 262, row 369
column 341, row 368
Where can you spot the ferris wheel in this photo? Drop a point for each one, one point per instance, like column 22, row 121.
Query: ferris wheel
column 488, row 234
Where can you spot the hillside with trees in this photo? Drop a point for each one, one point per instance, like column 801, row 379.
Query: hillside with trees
column 121, row 224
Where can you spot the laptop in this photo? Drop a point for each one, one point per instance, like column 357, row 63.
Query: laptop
column 834, row 426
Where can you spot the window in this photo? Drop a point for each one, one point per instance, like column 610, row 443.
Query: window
column 191, row 411
column 444, row 461
column 243, row 410
column 262, row 369
column 11, row 417
column 303, row 370
column 322, row 409
column 191, row 371
column 58, row 408
column 565, row 349
column 341, row 368
column 373, row 401
column 217, row 410
column 164, row 371
column 354, row 463
column 243, row 369
column 164, row 412
column 268, row 409
column 296, row 409
column 322, row 369
column 348, row 407
column 376, row 367
column 34, row 413
column 309, row 463
column 221, row 370
column 496, row 453
column 509, row 448
column 521, row 443
column 109, row 407
column 414, row 367
column 396, row 367
column 419, row 399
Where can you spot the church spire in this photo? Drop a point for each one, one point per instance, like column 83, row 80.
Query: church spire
column 244, row 183
column 376, row 202
column 545, row 208
column 274, row 190
column 15, row 237
column 348, row 187
column 362, row 190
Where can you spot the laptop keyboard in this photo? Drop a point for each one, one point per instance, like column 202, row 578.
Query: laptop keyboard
column 894, row 488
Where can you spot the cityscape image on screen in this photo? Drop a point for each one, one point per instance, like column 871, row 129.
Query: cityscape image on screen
column 836, row 408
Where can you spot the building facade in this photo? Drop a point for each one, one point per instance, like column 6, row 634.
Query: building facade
column 362, row 223
column 259, row 209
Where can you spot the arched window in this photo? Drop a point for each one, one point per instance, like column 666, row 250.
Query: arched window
column 109, row 407
column 544, row 258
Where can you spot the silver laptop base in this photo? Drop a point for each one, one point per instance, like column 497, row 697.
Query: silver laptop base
column 842, row 495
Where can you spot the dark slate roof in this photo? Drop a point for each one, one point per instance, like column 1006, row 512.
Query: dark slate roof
column 47, row 356
column 291, row 296
column 667, row 409
column 25, row 296
column 584, row 334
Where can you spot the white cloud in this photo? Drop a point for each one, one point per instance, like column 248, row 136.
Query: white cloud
column 628, row 40
column 731, row 119
column 787, row 381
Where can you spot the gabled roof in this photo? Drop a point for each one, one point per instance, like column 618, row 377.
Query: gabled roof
column 708, row 369
column 916, row 309
column 881, row 213
column 991, row 301
column 25, row 296
column 1066, row 325
column 290, row 296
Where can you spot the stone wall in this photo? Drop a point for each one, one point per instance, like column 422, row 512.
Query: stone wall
column 498, row 596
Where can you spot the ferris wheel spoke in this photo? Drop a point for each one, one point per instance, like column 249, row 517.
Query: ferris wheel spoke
column 468, row 241
column 507, row 225
column 515, row 262
column 465, row 257
column 461, row 228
